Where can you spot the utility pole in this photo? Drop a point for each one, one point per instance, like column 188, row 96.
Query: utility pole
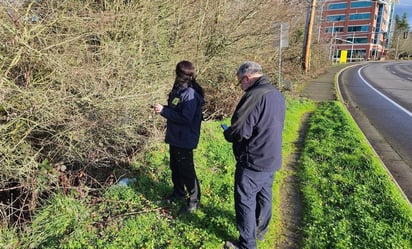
column 308, row 40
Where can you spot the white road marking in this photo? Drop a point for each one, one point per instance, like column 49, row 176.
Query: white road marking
column 383, row 95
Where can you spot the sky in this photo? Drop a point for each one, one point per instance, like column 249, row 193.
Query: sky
column 405, row 6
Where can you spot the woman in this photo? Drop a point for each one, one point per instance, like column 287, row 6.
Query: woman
column 184, row 115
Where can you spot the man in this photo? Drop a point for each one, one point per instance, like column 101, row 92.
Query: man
column 256, row 135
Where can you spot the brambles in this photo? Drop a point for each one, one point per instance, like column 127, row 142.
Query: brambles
column 77, row 79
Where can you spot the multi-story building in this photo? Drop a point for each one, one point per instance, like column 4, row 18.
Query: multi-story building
column 362, row 28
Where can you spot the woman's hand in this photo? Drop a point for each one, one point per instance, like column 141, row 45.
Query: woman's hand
column 157, row 108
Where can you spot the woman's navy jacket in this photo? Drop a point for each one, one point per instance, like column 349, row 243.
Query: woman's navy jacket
column 184, row 117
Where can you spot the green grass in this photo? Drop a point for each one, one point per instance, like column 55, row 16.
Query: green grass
column 350, row 201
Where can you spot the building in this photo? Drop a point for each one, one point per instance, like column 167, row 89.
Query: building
column 361, row 28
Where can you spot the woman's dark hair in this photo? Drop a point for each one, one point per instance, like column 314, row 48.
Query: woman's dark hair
column 185, row 73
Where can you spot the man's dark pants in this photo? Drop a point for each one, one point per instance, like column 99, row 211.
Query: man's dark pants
column 253, row 204
column 183, row 173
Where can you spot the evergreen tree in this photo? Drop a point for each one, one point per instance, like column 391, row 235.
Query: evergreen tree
column 402, row 22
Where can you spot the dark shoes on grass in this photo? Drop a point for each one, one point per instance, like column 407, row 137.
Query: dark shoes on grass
column 235, row 244
column 231, row 245
column 260, row 236
column 174, row 198
column 189, row 208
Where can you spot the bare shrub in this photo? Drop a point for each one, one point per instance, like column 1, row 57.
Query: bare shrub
column 77, row 79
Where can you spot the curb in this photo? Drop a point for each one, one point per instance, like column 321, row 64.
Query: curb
column 340, row 99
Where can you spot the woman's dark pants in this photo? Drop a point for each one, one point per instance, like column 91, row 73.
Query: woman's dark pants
column 183, row 174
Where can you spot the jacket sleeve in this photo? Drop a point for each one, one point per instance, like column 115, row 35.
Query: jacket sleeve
column 244, row 119
column 230, row 136
column 240, row 131
column 187, row 110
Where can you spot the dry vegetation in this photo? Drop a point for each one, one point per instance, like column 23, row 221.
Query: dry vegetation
column 401, row 46
column 77, row 78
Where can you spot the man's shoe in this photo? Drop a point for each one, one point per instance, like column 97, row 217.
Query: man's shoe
column 260, row 237
column 231, row 245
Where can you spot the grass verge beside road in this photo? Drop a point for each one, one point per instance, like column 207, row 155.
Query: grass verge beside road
column 350, row 200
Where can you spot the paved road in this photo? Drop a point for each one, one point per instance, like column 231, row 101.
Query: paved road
column 323, row 89
column 379, row 97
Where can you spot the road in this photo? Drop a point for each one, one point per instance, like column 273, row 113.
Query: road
column 379, row 97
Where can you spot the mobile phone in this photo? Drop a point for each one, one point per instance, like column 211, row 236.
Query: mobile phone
column 224, row 127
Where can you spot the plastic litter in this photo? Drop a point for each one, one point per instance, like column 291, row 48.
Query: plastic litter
column 126, row 181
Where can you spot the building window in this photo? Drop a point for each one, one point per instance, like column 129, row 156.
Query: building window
column 364, row 28
column 334, row 29
column 360, row 16
column 360, row 40
column 348, row 40
column 361, row 4
column 335, row 18
column 356, row 54
column 337, row 6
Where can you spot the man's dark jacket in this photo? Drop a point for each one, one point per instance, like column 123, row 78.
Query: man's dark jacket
column 256, row 127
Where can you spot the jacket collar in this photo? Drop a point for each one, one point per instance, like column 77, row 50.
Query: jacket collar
column 264, row 79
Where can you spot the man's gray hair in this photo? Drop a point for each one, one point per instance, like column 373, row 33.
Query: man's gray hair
column 249, row 67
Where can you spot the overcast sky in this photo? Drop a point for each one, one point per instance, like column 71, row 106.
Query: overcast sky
column 405, row 6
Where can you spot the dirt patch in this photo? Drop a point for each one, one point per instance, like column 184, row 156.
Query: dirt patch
column 291, row 198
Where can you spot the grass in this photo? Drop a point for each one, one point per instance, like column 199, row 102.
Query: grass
column 134, row 216
column 350, row 202
column 78, row 78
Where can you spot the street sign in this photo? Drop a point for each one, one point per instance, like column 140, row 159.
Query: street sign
column 284, row 37
column 343, row 56
column 283, row 30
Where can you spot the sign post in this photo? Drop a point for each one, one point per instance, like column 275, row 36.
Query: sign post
column 283, row 43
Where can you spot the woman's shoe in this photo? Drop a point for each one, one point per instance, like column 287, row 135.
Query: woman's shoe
column 174, row 198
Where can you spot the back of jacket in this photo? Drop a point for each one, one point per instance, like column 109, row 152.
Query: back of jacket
column 257, row 126
column 184, row 117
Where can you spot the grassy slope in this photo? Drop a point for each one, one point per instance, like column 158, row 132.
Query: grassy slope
column 135, row 217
